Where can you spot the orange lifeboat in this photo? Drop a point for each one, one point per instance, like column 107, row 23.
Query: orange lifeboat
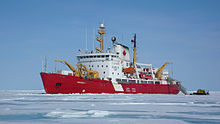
column 129, row 70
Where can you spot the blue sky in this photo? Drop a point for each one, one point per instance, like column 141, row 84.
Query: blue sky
column 184, row 32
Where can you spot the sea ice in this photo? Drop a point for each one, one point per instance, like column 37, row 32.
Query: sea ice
column 36, row 107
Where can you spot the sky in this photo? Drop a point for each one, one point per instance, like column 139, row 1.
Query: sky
column 186, row 33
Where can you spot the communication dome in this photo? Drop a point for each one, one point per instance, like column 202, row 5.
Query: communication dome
column 102, row 26
column 113, row 39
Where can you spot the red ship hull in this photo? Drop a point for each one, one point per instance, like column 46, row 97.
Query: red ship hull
column 65, row 84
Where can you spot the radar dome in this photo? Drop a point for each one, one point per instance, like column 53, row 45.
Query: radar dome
column 102, row 26
column 113, row 39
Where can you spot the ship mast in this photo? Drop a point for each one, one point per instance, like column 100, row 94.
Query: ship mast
column 135, row 54
column 101, row 31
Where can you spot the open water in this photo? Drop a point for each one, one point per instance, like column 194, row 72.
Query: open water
column 36, row 107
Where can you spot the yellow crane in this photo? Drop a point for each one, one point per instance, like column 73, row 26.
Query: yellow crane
column 159, row 71
column 90, row 73
column 75, row 72
column 80, row 70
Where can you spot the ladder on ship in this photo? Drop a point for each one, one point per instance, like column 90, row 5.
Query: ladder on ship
column 179, row 86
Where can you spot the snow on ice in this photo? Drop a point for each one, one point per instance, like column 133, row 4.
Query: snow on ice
column 36, row 107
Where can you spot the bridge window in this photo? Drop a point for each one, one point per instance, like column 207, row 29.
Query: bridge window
column 118, row 79
column 144, row 82
column 150, row 82
column 124, row 80
column 132, row 81
column 157, row 82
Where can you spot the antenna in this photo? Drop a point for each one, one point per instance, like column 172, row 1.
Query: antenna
column 93, row 39
column 42, row 65
column 45, row 66
column 55, row 67
column 86, row 39
column 172, row 70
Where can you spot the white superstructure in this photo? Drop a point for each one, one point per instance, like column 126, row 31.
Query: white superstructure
column 108, row 64
column 111, row 65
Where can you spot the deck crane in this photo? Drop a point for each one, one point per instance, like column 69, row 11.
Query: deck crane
column 160, row 70
column 75, row 71
column 90, row 73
